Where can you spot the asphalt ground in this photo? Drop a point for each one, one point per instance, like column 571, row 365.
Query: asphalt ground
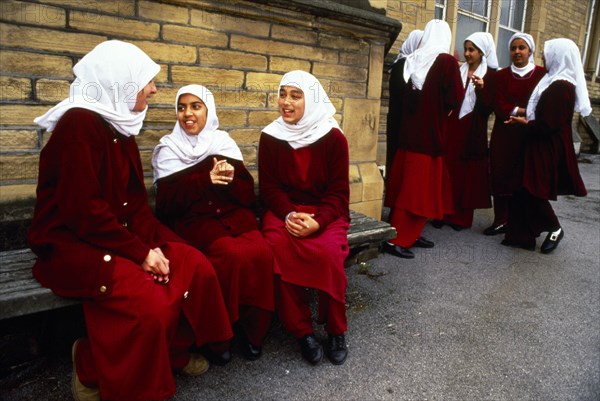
column 469, row 319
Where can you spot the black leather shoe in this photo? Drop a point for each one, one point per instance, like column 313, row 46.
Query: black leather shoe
column 495, row 230
column 311, row 349
column 422, row 242
column 507, row 242
column 251, row 352
column 456, row 227
column 437, row 223
column 552, row 240
column 337, row 351
column 215, row 358
column 397, row 250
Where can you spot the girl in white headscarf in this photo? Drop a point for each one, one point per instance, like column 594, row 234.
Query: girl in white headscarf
column 396, row 89
column 303, row 179
column 147, row 296
column 417, row 183
column 205, row 194
column 550, row 165
column 466, row 152
column 508, row 93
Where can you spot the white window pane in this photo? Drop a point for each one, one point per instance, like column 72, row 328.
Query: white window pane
column 465, row 26
column 504, row 12
column 439, row 13
column 504, row 36
column 518, row 14
column 478, row 7
column 440, row 2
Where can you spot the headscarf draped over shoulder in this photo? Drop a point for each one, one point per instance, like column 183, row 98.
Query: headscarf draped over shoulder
column 178, row 150
column 107, row 81
column 563, row 62
column 436, row 40
column 484, row 41
column 318, row 118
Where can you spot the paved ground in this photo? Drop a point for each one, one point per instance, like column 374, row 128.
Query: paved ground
column 467, row 320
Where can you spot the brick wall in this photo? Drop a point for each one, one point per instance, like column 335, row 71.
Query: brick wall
column 239, row 49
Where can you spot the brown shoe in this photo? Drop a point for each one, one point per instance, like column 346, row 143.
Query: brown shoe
column 196, row 366
column 81, row 392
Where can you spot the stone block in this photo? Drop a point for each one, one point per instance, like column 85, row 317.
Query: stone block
column 50, row 90
column 282, row 64
column 277, row 48
column 229, row 23
column 343, row 72
column 360, row 126
column 370, row 208
column 20, row 114
column 18, row 140
column 119, row 7
column 344, row 88
column 163, row 12
column 265, row 82
column 18, row 167
column 13, row 192
column 372, row 181
column 245, row 136
column 15, row 89
column 193, row 36
column 375, row 71
column 232, row 59
column 28, row 63
column 291, row 34
column 209, row 77
column 35, row 14
column 232, row 118
column 113, row 25
column 168, row 52
column 150, row 137
column 261, row 119
column 48, row 40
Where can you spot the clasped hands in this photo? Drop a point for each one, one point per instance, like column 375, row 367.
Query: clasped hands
column 301, row 224
column 222, row 172
column 157, row 265
column 519, row 118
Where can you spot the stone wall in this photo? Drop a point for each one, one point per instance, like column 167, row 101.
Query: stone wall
column 239, row 49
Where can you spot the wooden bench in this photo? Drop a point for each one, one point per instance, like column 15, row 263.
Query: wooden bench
column 21, row 294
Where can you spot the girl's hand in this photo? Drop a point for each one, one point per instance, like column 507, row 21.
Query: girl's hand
column 222, row 172
column 477, row 82
column 516, row 120
column 301, row 224
column 157, row 265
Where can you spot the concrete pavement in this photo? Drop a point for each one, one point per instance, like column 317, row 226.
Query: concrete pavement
column 467, row 320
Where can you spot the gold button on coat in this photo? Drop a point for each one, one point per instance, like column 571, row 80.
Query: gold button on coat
column 103, row 288
column 107, row 258
column 185, row 294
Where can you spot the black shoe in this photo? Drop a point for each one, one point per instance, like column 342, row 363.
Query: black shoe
column 507, row 242
column 251, row 352
column 336, row 349
column 495, row 230
column 552, row 240
column 215, row 358
column 456, row 227
column 311, row 349
column 397, row 250
column 437, row 223
column 422, row 242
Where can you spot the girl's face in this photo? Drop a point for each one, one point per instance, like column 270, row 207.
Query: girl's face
column 472, row 54
column 291, row 104
column 191, row 113
column 519, row 53
column 141, row 100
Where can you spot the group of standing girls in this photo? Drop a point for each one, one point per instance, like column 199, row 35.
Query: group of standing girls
column 169, row 291
column 439, row 164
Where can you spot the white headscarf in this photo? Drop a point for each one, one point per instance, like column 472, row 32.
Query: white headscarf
column 522, row 71
column 318, row 118
column 410, row 44
column 436, row 40
column 563, row 62
column 484, row 42
column 107, row 81
column 178, row 150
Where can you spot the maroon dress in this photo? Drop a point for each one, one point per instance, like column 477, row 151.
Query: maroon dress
column 467, row 160
column 550, row 166
column 312, row 179
column 218, row 220
column 91, row 230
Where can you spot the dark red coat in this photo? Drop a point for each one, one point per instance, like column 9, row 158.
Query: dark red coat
column 550, row 163
column 506, row 91
column 201, row 212
column 423, row 113
column 91, row 204
column 325, row 185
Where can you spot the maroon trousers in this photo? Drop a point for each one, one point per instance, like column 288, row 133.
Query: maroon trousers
column 528, row 217
column 293, row 308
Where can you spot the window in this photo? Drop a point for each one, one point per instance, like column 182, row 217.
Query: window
column 591, row 46
column 512, row 19
column 440, row 9
column 473, row 16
